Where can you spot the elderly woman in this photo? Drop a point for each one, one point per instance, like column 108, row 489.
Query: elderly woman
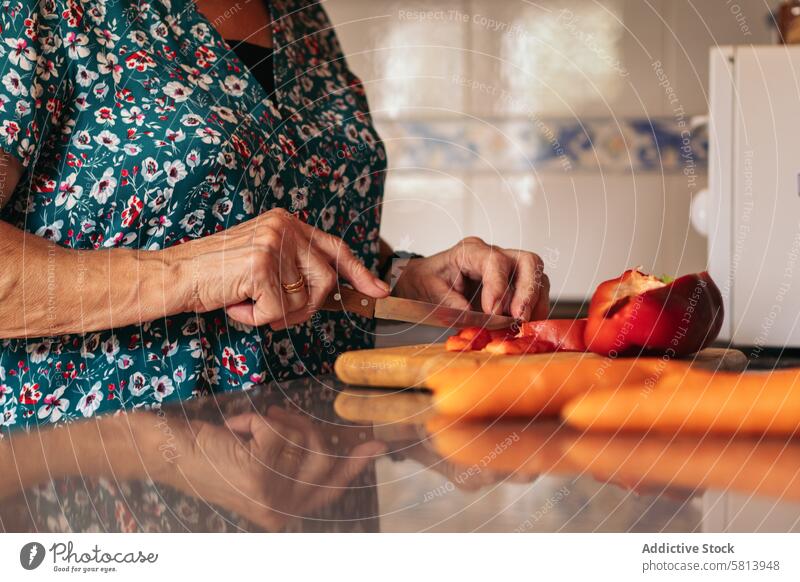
column 183, row 183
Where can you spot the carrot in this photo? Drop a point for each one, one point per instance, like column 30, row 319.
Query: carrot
column 696, row 401
column 519, row 387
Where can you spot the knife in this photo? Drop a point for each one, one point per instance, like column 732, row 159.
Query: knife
column 412, row 311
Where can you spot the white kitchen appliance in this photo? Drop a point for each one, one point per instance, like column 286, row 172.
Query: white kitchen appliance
column 753, row 202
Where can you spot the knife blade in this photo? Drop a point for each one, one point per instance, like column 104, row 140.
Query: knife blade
column 412, row 311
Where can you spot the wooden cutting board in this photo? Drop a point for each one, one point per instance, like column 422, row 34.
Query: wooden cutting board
column 410, row 366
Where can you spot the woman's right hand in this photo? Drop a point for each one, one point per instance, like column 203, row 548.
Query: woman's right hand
column 242, row 269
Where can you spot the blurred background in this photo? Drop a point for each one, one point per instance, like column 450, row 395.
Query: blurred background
column 574, row 128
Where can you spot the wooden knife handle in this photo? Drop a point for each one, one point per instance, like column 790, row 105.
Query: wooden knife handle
column 342, row 299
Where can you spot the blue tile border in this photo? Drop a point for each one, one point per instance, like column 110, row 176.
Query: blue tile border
column 660, row 145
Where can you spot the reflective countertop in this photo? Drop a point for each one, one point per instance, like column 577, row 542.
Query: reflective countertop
column 371, row 460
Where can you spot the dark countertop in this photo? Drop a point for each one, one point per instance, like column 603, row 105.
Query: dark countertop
column 434, row 475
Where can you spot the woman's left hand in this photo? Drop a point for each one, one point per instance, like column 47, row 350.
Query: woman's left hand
column 475, row 275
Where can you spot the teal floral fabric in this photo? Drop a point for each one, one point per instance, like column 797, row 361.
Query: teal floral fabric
column 139, row 128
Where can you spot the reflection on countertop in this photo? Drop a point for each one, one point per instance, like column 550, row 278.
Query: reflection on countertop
column 314, row 455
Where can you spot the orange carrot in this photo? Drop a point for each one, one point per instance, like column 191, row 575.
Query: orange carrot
column 696, row 401
column 520, row 387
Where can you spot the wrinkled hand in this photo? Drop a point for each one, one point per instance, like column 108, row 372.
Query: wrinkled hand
column 242, row 269
column 475, row 275
column 267, row 469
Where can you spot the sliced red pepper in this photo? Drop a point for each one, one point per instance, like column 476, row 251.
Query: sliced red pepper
column 534, row 337
column 556, row 335
column 638, row 313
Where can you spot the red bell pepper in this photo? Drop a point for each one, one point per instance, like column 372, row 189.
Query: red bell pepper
column 641, row 314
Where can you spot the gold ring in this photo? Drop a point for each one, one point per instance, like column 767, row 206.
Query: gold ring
column 295, row 287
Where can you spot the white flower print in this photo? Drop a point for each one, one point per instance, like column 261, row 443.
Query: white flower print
column 208, row 135
column 9, row 130
column 221, row 209
column 39, row 351
column 247, row 201
column 161, row 199
column 106, row 38
column 193, row 159
column 363, row 182
column 124, row 362
column 52, row 231
column 178, row 91
column 69, row 192
column 158, row 224
column 104, row 187
column 90, row 345
column 162, row 387
column 234, row 86
column 13, row 83
column 9, row 417
column 76, row 45
column 133, row 115
column 192, row 220
column 97, row 13
column 138, row 36
column 339, row 180
column 235, row 363
column 108, row 64
column 175, row 171
column 21, row 54
column 192, row 120
column 54, row 405
column 179, row 375
column 256, row 169
column 169, row 348
column 111, row 348
column 225, row 113
column 108, row 140
column 284, row 350
column 138, row 384
column 175, row 135
column 46, row 69
column 82, row 140
column 90, row 401
column 327, row 217
column 105, row 116
column 4, row 392
column 86, row 76
column 150, row 169
column 299, row 198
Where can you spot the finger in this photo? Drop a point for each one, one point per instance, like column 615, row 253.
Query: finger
column 320, row 280
column 267, row 303
column 319, row 275
column 290, row 275
column 542, row 308
column 496, row 281
column 528, row 271
column 346, row 263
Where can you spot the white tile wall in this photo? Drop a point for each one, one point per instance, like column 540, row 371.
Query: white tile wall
column 405, row 61
column 520, row 60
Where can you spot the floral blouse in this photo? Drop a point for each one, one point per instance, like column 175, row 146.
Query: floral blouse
column 139, row 128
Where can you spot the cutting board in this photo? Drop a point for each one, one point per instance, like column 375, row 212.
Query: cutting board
column 410, row 366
